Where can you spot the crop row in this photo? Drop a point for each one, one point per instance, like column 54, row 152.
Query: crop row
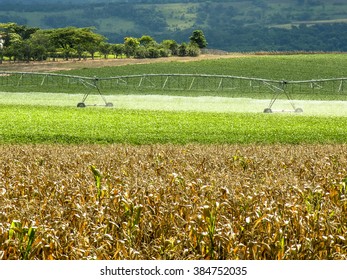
column 173, row 202
column 64, row 125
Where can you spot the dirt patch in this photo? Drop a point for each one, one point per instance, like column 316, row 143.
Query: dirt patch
column 59, row 65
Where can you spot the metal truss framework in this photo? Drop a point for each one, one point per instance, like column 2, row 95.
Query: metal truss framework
column 173, row 82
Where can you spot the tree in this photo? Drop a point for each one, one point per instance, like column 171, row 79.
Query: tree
column 2, row 41
column 192, row 49
column 22, row 30
column 153, row 52
column 141, row 52
column 117, row 50
column 65, row 39
column 182, row 49
column 40, row 45
column 105, row 48
column 198, row 38
column 89, row 40
column 170, row 45
column 16, row 47
column 76, row 39
column 163, row 52
column 14, row 38
column 130, row 46
column 146, row 41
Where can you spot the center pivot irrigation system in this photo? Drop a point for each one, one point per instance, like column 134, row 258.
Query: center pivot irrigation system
column 158, row 83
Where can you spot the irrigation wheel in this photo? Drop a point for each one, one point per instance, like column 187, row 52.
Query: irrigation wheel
column 109, row 104
column 267, row 110
column 299, row 110
column 81, row 105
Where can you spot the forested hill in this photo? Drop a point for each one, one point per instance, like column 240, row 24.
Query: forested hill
column 234, row 25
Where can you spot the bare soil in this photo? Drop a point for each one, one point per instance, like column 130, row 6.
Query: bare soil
column 58, row 65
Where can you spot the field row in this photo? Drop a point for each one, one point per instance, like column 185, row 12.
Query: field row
column 212, row 77
column 275, row 67
column 173, row 202
column 176, row 85
column 65, row 125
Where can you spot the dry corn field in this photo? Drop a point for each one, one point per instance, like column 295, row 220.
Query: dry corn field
column 173, row 202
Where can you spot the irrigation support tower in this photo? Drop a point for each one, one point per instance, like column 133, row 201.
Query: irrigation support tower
column 199, row 84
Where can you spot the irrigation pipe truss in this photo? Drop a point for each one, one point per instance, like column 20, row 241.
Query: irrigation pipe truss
column 182, row 82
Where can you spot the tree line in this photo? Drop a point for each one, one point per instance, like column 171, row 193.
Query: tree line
column 23, row 43
column 296, row 25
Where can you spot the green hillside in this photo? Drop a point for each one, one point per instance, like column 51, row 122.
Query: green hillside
column 230, row 25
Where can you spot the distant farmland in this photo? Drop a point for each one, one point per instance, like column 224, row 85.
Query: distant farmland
column 172, row 183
